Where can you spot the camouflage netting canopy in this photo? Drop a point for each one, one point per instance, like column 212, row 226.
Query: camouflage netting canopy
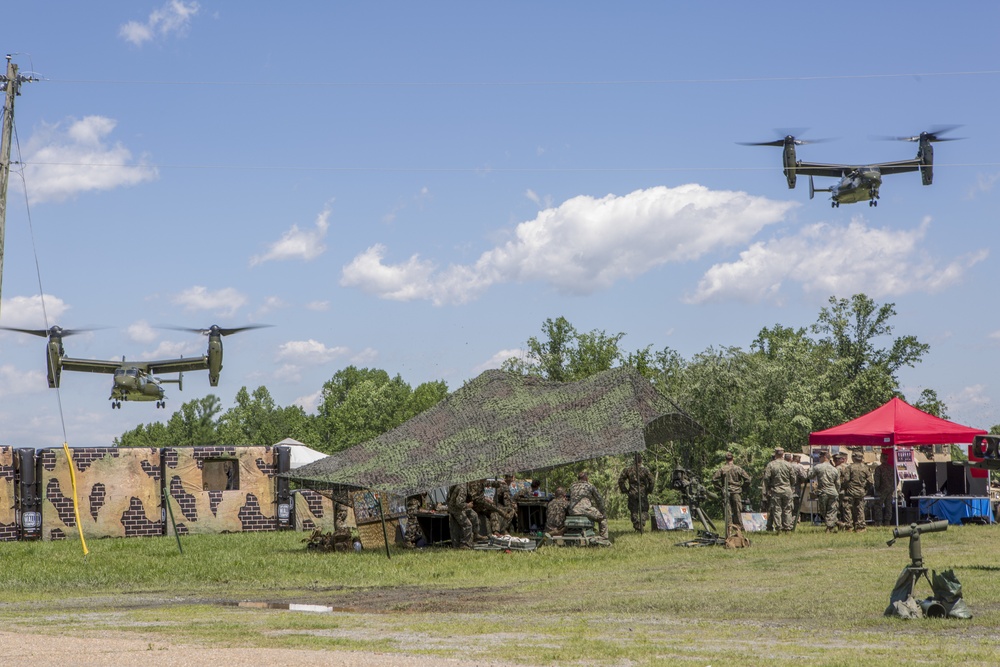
column 504, row 422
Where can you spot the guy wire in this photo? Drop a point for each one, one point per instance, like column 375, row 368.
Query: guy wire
column 38, row 270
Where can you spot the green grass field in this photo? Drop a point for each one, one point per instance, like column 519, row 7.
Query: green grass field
column 806, row 598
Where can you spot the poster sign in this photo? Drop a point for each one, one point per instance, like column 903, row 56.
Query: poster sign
column 672, row 517
column 906, row 469
column 754, row 522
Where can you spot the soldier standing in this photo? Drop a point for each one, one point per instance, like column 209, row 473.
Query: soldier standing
column 798, row 486
column 460, row 516
column 779, row 476
column 506, row 507
column 731, row 478
column 636, row 482
column 555, row 514
column 413, row 532
column 585, row 500
column 885, row 491
column 843, row 521
column 483, row 507
column 827, row 478
column 856, row 479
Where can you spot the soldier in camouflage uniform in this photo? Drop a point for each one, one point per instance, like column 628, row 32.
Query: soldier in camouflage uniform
column 636, row 482
column 460, row 516
column 779, row 475
column 840, row 463
column 339, row 516
column 798, row 485
column 885, row 491
column 506, row 507
column 857, row 477
column 731, row 478
column 585, row 500
column 827, row 479
column 483, row 507
column 413, row 532
column 555, row 514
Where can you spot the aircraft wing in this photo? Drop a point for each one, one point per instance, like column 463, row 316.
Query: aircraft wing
column 162, row 366
column 90, row 365
column 900, row 167
column 820, row 169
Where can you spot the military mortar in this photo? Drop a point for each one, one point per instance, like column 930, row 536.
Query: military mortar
column 947, row 599
column 693, row 493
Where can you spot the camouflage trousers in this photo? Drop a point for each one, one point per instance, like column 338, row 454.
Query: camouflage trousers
column 735, row 509
column 501, row 519
column 585, row 508
column 781, row 511
column 882, row 512
column 828, row 506
column 638, row 507
column 460, row 524
column 855, row 513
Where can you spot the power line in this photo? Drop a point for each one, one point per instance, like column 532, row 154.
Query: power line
column 542, row 83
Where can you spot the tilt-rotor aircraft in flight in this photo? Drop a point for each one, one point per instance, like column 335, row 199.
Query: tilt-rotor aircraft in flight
column 135, row 380
column 859, row 183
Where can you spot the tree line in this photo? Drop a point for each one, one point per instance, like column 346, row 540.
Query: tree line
column 787, row 383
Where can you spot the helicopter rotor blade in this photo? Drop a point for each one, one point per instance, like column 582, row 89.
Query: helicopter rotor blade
column 932, row 135
column 216, row 329
column 53, row 331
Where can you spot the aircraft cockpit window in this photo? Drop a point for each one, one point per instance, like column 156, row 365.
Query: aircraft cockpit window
column 132, row 372
column 119, row 372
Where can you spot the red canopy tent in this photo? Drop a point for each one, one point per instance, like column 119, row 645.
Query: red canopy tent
column 896, row 423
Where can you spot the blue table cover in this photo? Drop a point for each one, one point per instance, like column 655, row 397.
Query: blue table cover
column 955, row 508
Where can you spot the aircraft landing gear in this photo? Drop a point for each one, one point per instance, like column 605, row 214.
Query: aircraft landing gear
column 161, row 404
column 835, row 204
column 116, row 404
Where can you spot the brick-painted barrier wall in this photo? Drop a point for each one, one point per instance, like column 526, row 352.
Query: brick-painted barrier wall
column 8, row 512
column 120, row 492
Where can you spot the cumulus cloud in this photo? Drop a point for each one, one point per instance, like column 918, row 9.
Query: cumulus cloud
column 141, row 332
column 304, row 244
column 172, row 350
column 310, row 402
column 224, row 301
column 319, row 306
column 497, row 359
column 984, row 183
column 364, row 357
column 74, row 156
column 309, row 352
column 830, row 259
column 584, row 245
column 173, row 18
column 26, row 312
column 14, row 381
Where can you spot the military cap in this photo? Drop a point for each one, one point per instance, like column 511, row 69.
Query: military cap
column 823, row 452
column 779, row 450
column 729, row 456
column 857, row 456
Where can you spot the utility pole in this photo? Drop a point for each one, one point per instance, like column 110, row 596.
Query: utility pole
column 10, row 82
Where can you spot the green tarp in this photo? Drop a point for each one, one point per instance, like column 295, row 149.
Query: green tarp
column 504, row 422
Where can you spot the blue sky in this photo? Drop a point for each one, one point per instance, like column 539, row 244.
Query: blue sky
column 417, row 187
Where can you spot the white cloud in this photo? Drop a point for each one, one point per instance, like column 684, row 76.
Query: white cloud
column 224, row 301
column 172, row 350
column 270, row 304
column 318, row 306
column 173, row 18
column 297, row 243
column 75, row 156
column 290, row 373
column 309, row 352
column 828, row 259
column 14, row 381
column 582, row 246
column 497, row 359
column 365, row 356
column 311, row 402
column 141, row 332
column 984, row 183
column 26, row 312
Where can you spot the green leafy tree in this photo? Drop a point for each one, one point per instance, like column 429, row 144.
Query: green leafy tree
column 193, row 424
column 257, row 420
column 566, row 355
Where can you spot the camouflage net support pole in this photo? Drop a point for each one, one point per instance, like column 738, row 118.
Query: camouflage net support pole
column 385, row 532
column 76, row 503
column 170, row 510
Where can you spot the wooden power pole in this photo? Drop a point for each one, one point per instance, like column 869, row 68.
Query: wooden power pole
column 11, row 83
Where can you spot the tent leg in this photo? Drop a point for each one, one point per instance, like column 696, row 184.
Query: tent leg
column 385, row 532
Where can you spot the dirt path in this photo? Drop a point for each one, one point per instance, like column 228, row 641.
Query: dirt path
column 109, row 649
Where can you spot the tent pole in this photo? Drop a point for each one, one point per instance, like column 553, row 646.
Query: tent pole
column 639, row 478
column 895, row 477
column 385, row 532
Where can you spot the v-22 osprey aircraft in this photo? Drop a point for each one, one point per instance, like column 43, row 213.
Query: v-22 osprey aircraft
column 135, row 380
column 859, row 183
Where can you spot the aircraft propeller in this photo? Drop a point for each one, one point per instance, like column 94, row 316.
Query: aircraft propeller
column 933, row 135
column 787, row 136
column 215, row 329
column 52, row 331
